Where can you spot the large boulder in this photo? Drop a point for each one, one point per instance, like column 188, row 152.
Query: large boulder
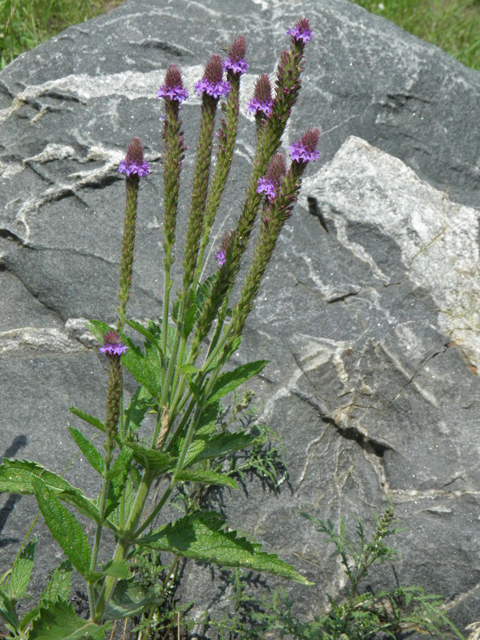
column 368, row 313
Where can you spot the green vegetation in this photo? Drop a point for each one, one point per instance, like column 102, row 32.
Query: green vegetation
column 453, row 25
column 24, row 24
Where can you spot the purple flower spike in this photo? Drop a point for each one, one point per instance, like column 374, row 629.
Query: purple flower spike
column 113, row 345
column 304, row 150
column 212, row 83
column 301, row 31
column 235, row 61
column 134, row 162
column 262, row 97
column 173, row 86
column 221, row 256
column 270, row 183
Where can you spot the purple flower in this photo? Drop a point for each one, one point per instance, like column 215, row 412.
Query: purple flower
column 304, row 150
column 214, row 89
column 134, row 162
column 212, row 83
column 270, row 183
column 221, row 256
column 173, row 87
column 235, row 62
column 254, row 106
column 267, row 186
column 262, row 97
column 301, row 31
column 112, row 344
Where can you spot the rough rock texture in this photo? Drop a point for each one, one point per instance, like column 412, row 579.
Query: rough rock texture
column 368, row 313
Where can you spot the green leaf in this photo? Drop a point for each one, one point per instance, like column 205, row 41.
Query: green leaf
column 7, row 610
column 16, row 477
column 99, row 329
column 151, row 458
column 117, row 569
column 58, row 588
column 63, row 526
column 232, row 379
column 145, row 332
column 206, row 447
column 128, row 600
column 21, row 570
column 89, row 450
column 190, row 318
column 206, row 477
column 88, row 418
column 141, row 368
column 202, row 536
column 204, row 292
column 59, row 622
column 137, row 409
column 118, row 476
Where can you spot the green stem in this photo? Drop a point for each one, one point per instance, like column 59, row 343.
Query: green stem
column 125, row 542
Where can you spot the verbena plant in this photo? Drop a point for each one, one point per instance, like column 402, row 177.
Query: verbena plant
column 179, row 368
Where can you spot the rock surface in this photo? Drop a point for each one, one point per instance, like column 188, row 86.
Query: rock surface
column 369, row 310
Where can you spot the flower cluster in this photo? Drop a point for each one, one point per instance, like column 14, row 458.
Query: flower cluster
column 301, row 31
column 134, row 164
column 112, row 344
column 212, row 84
column 262, row 98
column 235, row 63
column 221, row 256
column 305, row 149
column 173, row 89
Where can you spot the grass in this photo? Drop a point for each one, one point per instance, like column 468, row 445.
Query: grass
column 24, row 24
column 453, row 25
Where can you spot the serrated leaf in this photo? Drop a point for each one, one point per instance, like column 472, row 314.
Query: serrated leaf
column 118, row 476
column 90, row 452
column 59, row 622
column 58, row 588
column 117, row 569
column 204, row 292
column 145, row 332
column 206, row 477
column 230, row 380
column 128, row 600
column 151, row 458
column 7, row 610
column 202, row 536
column 21, row 570
column 99, row 329
column 141, row 369
column 128, row 503
column 63, row 526
column 16, row 477
column 88, row 418
column 136, row 410
column 189, row 321
column 205, row 447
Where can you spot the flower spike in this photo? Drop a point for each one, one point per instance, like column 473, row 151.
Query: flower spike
column 301, row 31
column 172, row 88
column 235, row 62
column 212, row 84
column 304, row 150
column 262, row 98
column 113, row 345
column 134, row 164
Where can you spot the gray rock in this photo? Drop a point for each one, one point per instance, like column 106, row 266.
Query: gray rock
column 368, row 311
